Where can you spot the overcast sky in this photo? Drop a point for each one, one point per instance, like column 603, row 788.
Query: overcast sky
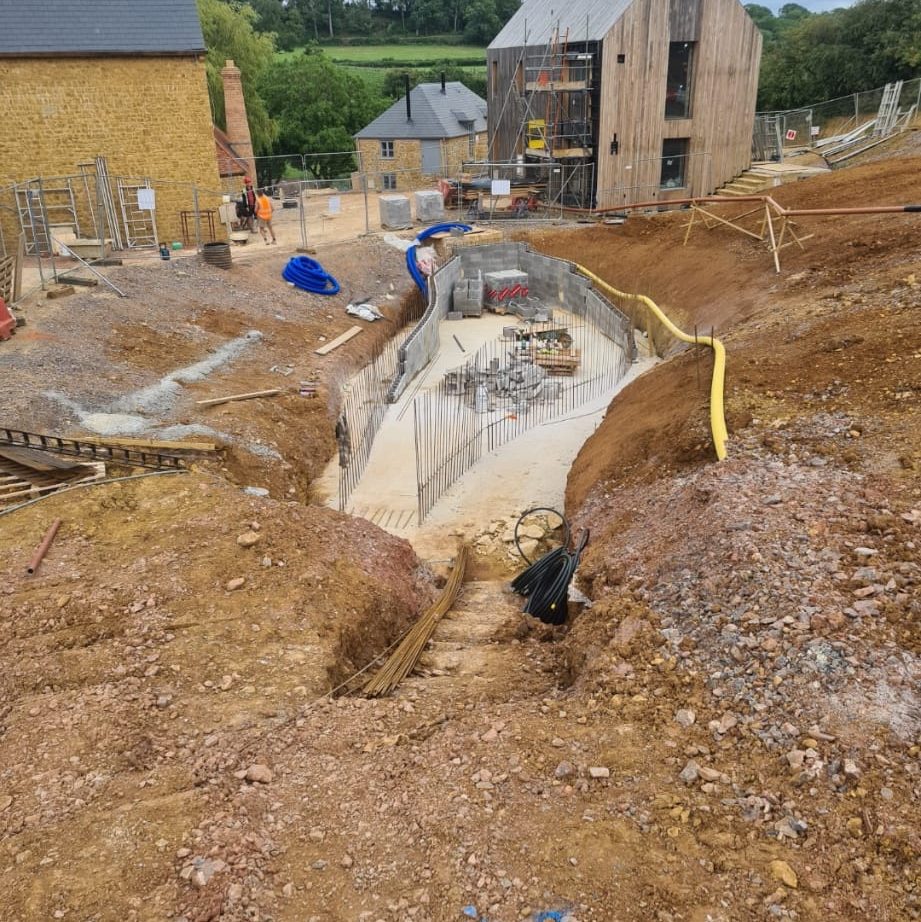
column 817, row 6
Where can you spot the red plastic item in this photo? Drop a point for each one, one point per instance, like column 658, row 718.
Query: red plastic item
column 7, row 321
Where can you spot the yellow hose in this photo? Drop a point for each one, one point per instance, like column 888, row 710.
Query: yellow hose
column 717, row 417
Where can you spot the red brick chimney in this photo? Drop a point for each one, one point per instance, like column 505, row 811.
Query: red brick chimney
column 235, row 113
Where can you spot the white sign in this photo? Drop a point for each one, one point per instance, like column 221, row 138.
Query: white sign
column 814, row 130
column 501, row 187
column 791, row 135
column 335, row 205
column 147, row 200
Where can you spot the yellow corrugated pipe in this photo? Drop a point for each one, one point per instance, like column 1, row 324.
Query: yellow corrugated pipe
column 717, row 417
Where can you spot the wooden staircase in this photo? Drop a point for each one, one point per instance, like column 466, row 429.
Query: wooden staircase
column 753, row 181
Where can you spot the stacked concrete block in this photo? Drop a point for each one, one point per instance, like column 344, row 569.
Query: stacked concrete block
column 468, row 297
column 503, row 288
column 395, row 212
column 430, row 207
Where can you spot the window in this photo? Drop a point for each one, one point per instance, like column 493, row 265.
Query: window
column 621, row 59
column 678, row 82
column 674, row 163
column 471, row 145
column 386, row 150
column 388, row 181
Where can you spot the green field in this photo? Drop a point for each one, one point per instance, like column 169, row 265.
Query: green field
column 397, row 54
column 374, row 76
column 357, row 58
column 404, row 54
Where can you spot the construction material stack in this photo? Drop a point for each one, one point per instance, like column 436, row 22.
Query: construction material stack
column 468, row 297
column 395, row 212
column 504, row 290
column 430, row 207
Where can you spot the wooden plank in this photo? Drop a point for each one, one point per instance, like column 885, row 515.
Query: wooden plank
column 152, row 444
column 20, row 259
column 39, row 460
column 217, row 401
column 338, row 341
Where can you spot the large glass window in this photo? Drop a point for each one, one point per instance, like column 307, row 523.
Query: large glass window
column 386, row 150
column 674, row 163
column 678, row 84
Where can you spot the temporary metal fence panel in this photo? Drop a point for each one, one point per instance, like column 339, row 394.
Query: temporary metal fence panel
column 814, row 125
column 491, row 192
column 138, row 209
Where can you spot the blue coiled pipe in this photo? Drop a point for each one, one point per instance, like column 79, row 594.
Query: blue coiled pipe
column 411, row 263
column 308, row 275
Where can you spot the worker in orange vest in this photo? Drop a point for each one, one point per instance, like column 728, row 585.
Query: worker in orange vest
column 264, row 216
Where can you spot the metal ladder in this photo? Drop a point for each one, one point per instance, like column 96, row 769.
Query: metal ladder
column 888, row 109
column 94, row 451
column 39, row 207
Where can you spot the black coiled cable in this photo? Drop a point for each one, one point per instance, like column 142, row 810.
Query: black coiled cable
column 545, row 584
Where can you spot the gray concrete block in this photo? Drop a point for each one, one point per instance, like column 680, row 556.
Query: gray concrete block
column 395, row 212
column 430, row 207
column 454, row 315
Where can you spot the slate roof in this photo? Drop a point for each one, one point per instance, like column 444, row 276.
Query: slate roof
column 98, row 27
column 535, row 20
column 435, row 114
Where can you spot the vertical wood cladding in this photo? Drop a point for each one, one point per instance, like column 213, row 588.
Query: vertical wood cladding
column 631, row 98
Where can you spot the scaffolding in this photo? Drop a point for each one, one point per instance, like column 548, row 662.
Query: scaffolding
column 556, row 106
column 42, row 210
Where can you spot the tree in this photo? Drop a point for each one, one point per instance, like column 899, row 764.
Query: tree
column 394, row 85
column 811, row 57
column 318, row 106
column 229, row 34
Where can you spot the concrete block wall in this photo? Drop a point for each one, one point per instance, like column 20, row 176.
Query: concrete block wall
column 421, row 345
column 149, row 116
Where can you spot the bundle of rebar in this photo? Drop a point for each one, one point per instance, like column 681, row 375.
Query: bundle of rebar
column 404, row 659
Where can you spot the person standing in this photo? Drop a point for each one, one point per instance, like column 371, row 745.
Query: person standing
column 264, row 216
column 250, row 194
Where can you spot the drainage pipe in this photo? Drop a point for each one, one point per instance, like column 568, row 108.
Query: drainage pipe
column 411, row 264
column 718, row 429
column 42, row 549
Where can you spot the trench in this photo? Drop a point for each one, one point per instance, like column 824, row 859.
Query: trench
column 470, row 416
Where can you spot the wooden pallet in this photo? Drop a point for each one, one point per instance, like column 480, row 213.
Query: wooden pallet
column 558, row 363
column 23, row 481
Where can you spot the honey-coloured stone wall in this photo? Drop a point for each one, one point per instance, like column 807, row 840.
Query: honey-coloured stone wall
column 149, row 116
column 406, row 163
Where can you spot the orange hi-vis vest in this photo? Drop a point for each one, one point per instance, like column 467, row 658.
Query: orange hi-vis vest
column 264, row 207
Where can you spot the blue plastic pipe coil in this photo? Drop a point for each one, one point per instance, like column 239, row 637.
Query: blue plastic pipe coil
column 411, row 263
column 308, row 275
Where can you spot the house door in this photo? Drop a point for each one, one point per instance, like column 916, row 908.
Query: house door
column 431, row 158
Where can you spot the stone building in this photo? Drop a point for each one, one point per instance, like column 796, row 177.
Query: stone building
column 119, row 79
column 426, row 135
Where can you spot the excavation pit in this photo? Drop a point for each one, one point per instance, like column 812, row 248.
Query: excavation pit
column 459, row 408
